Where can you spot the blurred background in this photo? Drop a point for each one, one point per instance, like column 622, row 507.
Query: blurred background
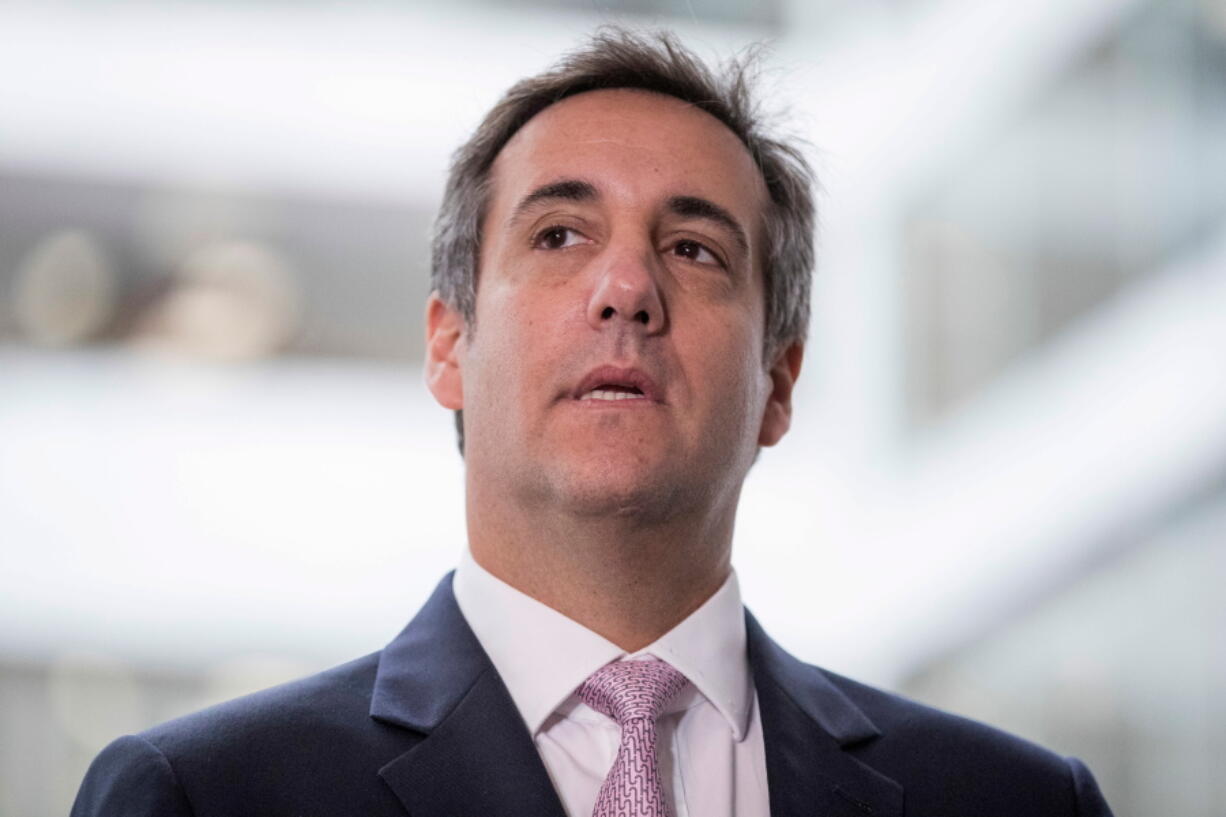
column 219, row 468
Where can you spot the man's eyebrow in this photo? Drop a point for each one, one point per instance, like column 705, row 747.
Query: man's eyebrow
column 695, row 207
column 566, row 190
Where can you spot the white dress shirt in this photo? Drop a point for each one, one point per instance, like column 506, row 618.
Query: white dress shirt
column 712, row 760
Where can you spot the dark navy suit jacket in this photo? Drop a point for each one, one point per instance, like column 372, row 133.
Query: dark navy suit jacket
column 426, row 728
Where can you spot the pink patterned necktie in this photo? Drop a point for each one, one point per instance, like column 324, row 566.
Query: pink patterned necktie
column 633, row 693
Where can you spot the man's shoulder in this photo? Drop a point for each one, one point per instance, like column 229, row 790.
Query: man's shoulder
column 942, row 758
column 252, row 750
column 332, row 700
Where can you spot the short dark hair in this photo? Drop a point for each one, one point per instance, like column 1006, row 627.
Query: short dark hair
column 617, row 58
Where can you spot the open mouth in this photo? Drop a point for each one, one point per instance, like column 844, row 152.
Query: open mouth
column 615, row 384
column 612, row 391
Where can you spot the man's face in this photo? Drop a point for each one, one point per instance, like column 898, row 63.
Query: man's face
column 615, row 364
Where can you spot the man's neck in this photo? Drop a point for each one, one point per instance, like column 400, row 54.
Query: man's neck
column 629, row 583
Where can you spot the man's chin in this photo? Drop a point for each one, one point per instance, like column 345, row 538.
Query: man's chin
column 613, row 493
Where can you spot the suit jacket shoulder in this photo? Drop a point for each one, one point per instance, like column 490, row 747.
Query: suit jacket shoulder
column 946, row 764
column 947, row 757
column 424, row 727
column 276, row 751
column 893, row 756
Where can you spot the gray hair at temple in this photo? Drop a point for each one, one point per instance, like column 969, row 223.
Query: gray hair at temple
column 617, row 58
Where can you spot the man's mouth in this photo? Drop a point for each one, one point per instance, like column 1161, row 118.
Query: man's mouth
column 615, row 384
column 613, row 392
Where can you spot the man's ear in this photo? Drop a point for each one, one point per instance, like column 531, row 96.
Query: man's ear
column 778, row 415
column 444, row 352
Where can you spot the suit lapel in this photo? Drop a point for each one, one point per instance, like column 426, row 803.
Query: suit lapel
column 811, row 731
column 476, row 756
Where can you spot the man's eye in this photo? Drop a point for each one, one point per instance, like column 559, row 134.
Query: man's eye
column 557, row 238
column 694, row 251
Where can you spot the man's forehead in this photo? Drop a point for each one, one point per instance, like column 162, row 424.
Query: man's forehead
column 652, row 137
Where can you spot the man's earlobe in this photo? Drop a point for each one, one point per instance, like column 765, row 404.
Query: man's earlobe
column 444, row 352
column 783, row 373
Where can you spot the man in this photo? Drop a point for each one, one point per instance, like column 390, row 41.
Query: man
column 621, row 292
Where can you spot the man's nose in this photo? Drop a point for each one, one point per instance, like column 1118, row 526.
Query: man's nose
column 627, row 289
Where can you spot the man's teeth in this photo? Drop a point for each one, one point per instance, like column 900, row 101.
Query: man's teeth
column 608, row 394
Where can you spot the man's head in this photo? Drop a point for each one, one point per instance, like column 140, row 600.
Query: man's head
column 622, row 214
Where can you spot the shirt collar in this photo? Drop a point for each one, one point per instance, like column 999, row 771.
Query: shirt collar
column 543, row 656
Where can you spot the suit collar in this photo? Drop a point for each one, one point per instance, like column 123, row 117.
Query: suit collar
column 476, row 756
column 540, row 654
column 811, row 731
column 809, row 688
column 427, row 669
column 543, row 656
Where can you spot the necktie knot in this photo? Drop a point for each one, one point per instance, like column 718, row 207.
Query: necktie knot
column 626, row 690
column 633, row 693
